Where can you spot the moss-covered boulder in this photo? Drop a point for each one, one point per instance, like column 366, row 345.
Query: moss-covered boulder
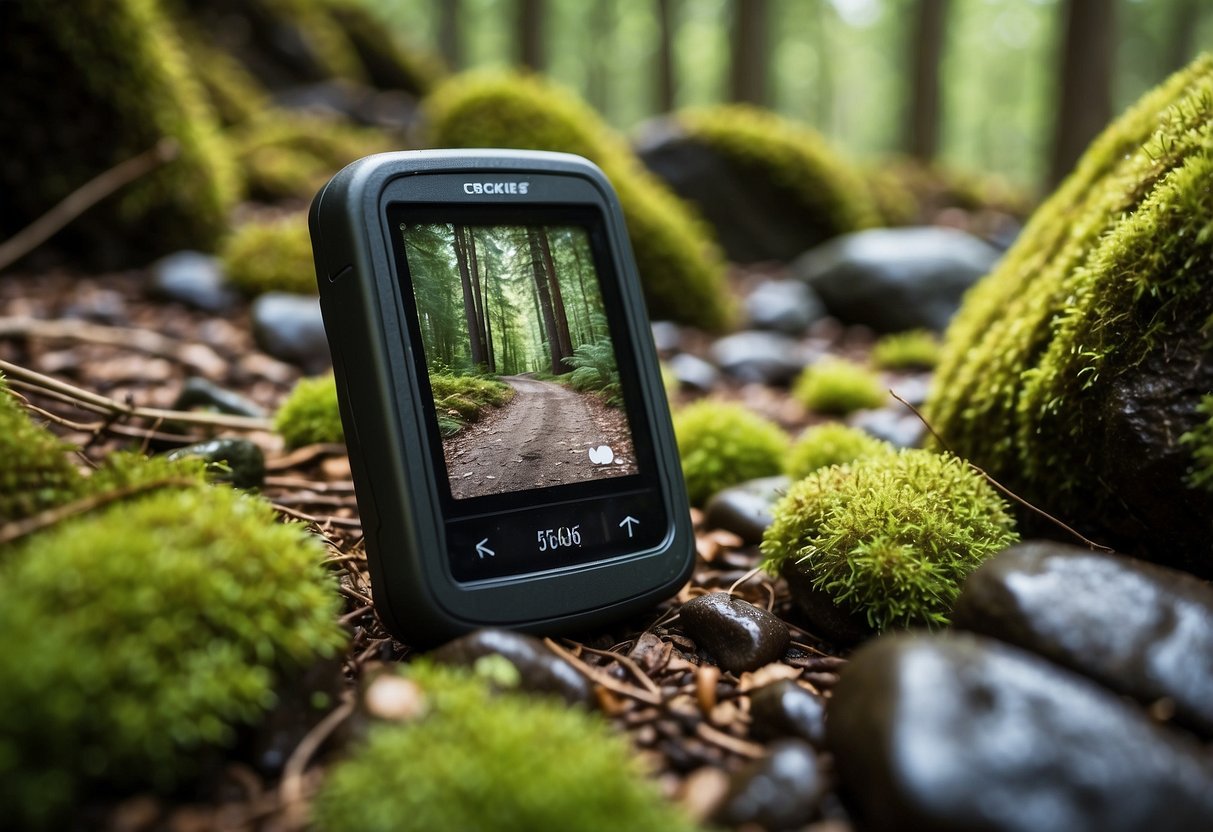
column 1072, row 372
column 89, row 85
column 680, row 267
column 310, row 413
column 270, row 255
column 35, row 470
column 726, row 443
column 772, row 188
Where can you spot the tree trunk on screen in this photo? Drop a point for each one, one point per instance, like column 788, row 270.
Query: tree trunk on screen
column 558, row 311
column 530, row 33
column 1088, row 53
column 469, row 303
column 544, row 295
column 665, row 55
column 925, row 54
column 751, row 51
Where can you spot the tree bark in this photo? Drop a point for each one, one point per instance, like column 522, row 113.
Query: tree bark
column 665, row 56
column 561, row 316
column 926, row 54
column 469, row 304
column 482, row 299
column 1088, row 52
column 530, row 34
column 751, row 51
column 543, row 293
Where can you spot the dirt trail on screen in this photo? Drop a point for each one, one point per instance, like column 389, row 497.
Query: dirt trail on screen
column 540, row 438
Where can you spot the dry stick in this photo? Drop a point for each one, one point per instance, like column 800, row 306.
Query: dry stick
column 600, row 677
column 78, row 395
column 83, row 198
column 291, row 790
column 96, row 428
column 1091, row 543
column 628, row 665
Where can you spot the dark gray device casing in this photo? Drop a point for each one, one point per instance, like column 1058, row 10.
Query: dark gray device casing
column 384, row 418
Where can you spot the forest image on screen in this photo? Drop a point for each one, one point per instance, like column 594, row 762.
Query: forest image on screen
column 519, row 356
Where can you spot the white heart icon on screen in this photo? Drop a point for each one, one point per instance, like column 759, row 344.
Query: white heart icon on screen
column 602, row 455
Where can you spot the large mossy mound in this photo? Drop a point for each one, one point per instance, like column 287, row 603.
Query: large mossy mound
column 680, row 267
column 1073, row 370
column 35, row 470
column 771, row 187
column 270, row 255
column 91, row 84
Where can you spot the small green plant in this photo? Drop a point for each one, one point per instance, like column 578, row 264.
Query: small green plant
column 475, row 760
column 35, row 470
column 143, row 632
column 915, row 349
column 310, row 413
column 1200, row 440
column 892, row 536
column 270, row 256
column 460, row 399
column 594, row 369
column 837, row 386
column 722, row 444
column 831, row 444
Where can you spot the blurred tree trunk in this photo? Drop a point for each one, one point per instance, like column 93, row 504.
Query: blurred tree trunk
column 1088, row 52
column 751, row 51
column 599, row 53
column 448, row 33
column 824, row 97
column 926, row 53
column 530, row 33
column 1185, row 19
column 665, row 55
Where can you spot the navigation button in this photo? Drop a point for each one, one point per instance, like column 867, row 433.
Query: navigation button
column 484, row 551
column 628, row 522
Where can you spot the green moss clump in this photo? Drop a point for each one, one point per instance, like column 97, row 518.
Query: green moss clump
column 1106, row 287
column 681, row 268
column 915, row 349
column 838, row 386
column 139, row 634
column 385, row 61
column 35, row 471
column 505, row 762
column 120, row 84
column 310, row 413
column 722, row 444
column 270, row 256
column 235, row 95
column 790, row 155
column 890, row 537
column 831, row 444
column 1200, row 440
column 460, row 400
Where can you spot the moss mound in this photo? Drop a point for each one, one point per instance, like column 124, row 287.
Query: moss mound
column 914, row 349
column 35, row 471
column 681, row 269
column 838, row 386
column 722, row 444
column 891, row 537
column 272, row 255
column 475, row 760
column 120, row 84
column 1200, row 440
column 831, row 444
column 385, row 62
column 310, row 413
column 1071, row 371
column 139, row 634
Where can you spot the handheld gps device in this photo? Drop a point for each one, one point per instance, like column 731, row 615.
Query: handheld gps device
column 508, row 433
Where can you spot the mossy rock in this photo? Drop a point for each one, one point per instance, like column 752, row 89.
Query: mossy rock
column 1072, row 371
column 832, row 443
column 310, row 413
column 141, row 634
column 912, row 192
column 913, row 349
column 35, row 471
column 234, row 94
column 270, row 255
column 89, row 85
column 681, row 269
column 838, row 386
column 386, row 62
column 771, row 187
column 476, row 759
column 725, row 443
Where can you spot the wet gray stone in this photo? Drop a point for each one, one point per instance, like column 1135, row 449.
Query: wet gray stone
column 242, row 461
column 899, row 427
column 787, row 306
column 783, row 790
column 667, row 337
column 785, row 709
column 692, row 371
column 958, row 732
column 541, row 670
column 760, row 357
column 290, row 327
column 198, row 392
column 1142, row 630
column 737, row 634
column 194, row 279
column 893, row 279
column 745, row 509
column 825, row 619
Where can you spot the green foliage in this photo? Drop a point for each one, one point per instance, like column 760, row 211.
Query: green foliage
column 722, row 444
column 234, row 94
column 310, row 413
column 680, row 267
column 143, row 632
column 832, row 443
column 892, row 536
column 93, row 84
column 1200, row 439
column 270, row 256
column 461, row 399
column 384, row 60
column 915, row 349
column 479, row 761
column 838, row 386
column 593, row 364
column 35, row 471
column 792, row 156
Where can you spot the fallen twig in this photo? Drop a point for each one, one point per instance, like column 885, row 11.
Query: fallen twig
column 291, row 791
column 600, row 677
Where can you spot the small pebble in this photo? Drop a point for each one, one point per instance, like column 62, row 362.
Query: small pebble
column 693, row 372
column 241, row 461
column 540, row 669
column 737, row 634
column 291, row 328
column 785, row 709
column 782, row 790
column 787, row 306
column 198, row 392
column 194, row 279
column 745, row 509
column 760, row 357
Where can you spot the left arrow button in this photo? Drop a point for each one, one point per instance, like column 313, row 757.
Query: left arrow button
column 484, row 551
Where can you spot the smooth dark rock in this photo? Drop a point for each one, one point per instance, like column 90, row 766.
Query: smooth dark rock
column 785, row 709
column 1140, row 629
column 825, row 618
column 958, row 732
column 898, row 427
column 289, row 327
column 760, row 357
column 194, row 279
column 243, row 463
column 103, row 305
column 754, row 217
column 737, row 634
column 783, row 790
column 692, row 371
column 787, row 306
column 745, row 509
column 893, row 279
column 541, row 670
column 199, row 392
column 667, row 337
